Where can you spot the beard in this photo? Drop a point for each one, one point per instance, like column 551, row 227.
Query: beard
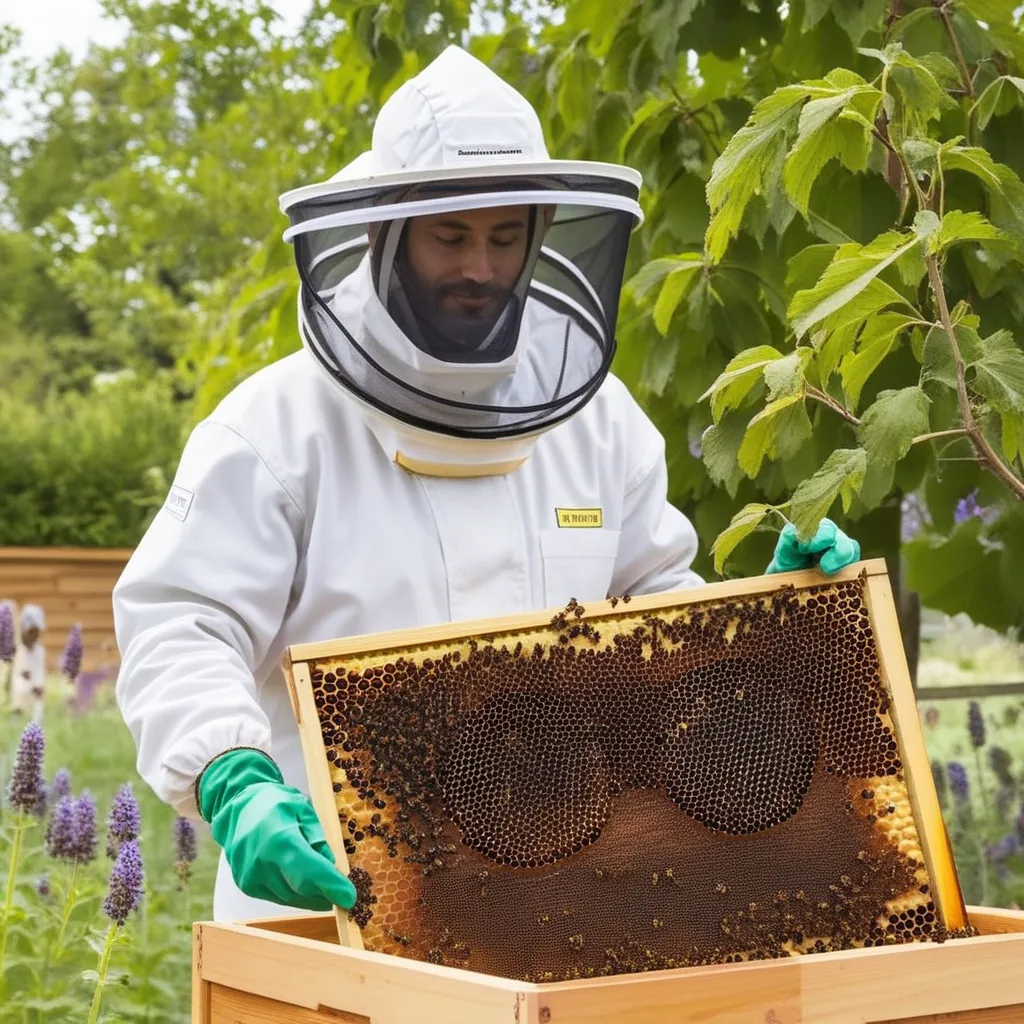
column 466, row 335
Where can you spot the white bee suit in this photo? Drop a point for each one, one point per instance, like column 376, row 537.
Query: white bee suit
column 293, row 517
column 288, row 524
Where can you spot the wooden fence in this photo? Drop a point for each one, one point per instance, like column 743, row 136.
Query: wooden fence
column 70, row 585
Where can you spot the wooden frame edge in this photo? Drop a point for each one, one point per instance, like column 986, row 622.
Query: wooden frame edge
column 321, row 789
column 935, row 842
column 442, row 632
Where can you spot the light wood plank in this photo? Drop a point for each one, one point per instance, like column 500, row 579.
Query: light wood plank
column 935, row 843
column 200, row 987
column 321, row 927
column 321, row 790
column 851, row 987
column 92, row 584
column 22, row 571
column 64, row 554
column 230, row 1006
column 404, row 638
column 993, row 1015
column 388, row 990
column 995, row 920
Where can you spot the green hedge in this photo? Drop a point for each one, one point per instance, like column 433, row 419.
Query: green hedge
column 87, row 470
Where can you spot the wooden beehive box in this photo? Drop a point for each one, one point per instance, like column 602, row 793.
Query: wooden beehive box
column 636, row 856
column 291, row 970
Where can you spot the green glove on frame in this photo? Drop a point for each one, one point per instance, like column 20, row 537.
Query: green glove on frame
column 830, row 549
column 270, row 834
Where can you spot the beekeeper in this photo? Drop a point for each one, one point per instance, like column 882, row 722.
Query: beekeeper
column 449, row 444
column 28, row 670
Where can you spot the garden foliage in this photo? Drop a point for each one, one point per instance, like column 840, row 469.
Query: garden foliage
column 823, row 306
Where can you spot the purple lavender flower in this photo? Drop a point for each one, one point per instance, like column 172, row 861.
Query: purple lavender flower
column 998, row 853
column 6, row 633
column 42, row 803
column 60, row 787
column 60, row 831
column 27, row 774
column 123, row 822
column 913, row 517
column 1005, row 796
column 43, row 885
column 939, row 777
column 967, row 508
column 71, row 834
column 1001, row 762
column 184, row 850
column 84, row 844
column 125, row 887
column 976, row 724
column 71, row 659
column 958, row 781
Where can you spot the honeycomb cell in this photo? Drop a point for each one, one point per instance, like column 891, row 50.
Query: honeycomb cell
column 629, row 791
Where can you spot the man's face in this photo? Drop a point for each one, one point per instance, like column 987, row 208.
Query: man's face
column 469, row 261
column 30, row 636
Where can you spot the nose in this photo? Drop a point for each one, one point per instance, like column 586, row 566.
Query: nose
column 477, row 262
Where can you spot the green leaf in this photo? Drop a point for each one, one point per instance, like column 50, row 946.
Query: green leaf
column 991, row 11
column 831, row 349
column 675, row 286
column 778, row 430
column 738, row 378
column 851, row 271
column 741, row 171
column 659, row 363
column 744, row 523
column 876, row 341
column 1013, row 435
column 917, row 81
column 937, row 360
column 1005, row 189
column 999, row 373
column 840, row 476
column 858, row 17
column 577, row 80
column 654, row 272
column 1000, row 96
column 661, row 23
column 720, row 448
column 785, row 376
column 958, row 226
column 890, row 425
column 926, row 225
column 955, row 571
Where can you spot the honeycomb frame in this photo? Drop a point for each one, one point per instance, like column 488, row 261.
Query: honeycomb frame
column 906, row 804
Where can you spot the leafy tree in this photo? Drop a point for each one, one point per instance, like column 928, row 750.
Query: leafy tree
column 822, row 303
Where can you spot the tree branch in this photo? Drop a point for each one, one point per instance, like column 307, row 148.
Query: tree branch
column 826, row 399
column 894, row 16
column 984, row 452
column 965, row 71
column 957, row 432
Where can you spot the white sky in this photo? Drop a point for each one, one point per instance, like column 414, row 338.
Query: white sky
column 48, row 24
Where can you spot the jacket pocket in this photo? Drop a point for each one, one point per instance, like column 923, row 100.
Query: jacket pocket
column 577, row 563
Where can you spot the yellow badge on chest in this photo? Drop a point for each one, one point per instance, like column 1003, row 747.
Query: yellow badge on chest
column 580, row 518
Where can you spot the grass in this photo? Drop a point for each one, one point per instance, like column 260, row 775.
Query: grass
column 153, row 976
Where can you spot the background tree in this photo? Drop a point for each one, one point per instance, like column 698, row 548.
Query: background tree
column 874, row 143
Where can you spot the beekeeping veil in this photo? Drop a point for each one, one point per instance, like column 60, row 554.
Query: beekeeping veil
column 447, row 394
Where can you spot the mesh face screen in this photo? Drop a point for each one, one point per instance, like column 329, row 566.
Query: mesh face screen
column 709, row 783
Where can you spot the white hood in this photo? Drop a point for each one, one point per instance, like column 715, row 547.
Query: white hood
column 454, row 138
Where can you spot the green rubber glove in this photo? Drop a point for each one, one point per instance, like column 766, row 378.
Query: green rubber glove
column 270, row 834
column 830, row 549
